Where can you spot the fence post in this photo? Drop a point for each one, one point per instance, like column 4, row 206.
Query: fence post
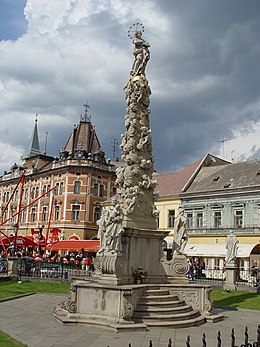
column 233, row 339
column 219, row 339
column 204, row 343
column 246, row 336
column 258, row 335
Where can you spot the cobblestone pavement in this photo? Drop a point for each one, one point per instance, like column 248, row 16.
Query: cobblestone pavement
column 30, row 320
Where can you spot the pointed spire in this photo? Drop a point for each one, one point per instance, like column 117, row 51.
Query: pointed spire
column 34, row 147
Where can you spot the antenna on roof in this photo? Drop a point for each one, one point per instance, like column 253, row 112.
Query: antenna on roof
column 114, row 146
column 86, row 117
column 45, row 145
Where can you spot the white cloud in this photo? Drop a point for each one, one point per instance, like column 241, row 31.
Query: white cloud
column 202, row 73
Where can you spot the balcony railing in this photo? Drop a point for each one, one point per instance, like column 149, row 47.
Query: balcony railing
column 246, row 230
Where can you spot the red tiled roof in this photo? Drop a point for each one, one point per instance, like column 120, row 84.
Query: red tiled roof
column 172, row 183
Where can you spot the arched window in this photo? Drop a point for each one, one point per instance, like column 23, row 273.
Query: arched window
column 101, row 190
column 95, row 190
column 61, row 188
column 77, row 185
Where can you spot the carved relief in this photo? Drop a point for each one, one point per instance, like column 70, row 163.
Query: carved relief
column 191, row 297
column 70, row 304
column 128, row 303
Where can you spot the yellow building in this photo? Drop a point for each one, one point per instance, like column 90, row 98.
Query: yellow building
column 218, row 197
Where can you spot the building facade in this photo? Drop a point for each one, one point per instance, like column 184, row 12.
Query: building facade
column 219, row 200
column 170, row 186
column 64, row 192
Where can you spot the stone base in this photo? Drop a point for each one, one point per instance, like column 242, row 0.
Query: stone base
column 231, row 271
column 140, row 248
column 12, row 267
column 113, row 307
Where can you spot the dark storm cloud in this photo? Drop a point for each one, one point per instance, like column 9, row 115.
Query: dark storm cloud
column 203, row 73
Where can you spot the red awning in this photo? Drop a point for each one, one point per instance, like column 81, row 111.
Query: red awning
column 75, row 245
column 21, row 241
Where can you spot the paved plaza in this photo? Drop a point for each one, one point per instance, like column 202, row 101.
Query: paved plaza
column 30, row 320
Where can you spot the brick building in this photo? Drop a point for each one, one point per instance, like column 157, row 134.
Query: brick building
column 82, row 178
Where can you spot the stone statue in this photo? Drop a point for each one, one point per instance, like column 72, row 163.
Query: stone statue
column 110, row 228
column 102, row 230
column 141, row 54
column 231, row 247
column 180, row 232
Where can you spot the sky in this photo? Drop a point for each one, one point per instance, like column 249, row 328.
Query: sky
column 204, row 73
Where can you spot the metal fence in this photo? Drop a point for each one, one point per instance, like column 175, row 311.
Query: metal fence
column 219, row 340
column 51, row 270
column 3, row 267
column 216, row 277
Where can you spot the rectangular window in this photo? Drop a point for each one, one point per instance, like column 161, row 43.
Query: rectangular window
column 189, row 220
column 216, row 263
column 22, row 216
column 33, row 214
column 44, row 213
column 56, row 212
column 97, row 214
column 61, row 188
column 75, row 212
column 95, row 190
column 171, row 217
column 238, row 219
column 56, row 190
column 217, row 219
column 101, row 190
column 77, row 185
column 199, row 220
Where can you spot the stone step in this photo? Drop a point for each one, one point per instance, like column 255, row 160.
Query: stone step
column 174, row 303
column 156, row 292
column 141, row 311
column 146, row 317
column 167, row 297
column 184, row 323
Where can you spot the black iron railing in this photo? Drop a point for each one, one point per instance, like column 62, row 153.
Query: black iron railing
column 219, row 340
column 51, row 270
column 3, row 266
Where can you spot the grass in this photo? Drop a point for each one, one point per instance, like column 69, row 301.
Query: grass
column 7, row 341
column 236, row 298
column 12, row 288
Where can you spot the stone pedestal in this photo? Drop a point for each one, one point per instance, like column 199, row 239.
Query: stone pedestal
column 231, row 271
column 141, row 248
column 113, row 307
column 12, row 267
column 176, row 269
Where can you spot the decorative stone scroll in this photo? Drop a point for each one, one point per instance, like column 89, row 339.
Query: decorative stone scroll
column 70, row 304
